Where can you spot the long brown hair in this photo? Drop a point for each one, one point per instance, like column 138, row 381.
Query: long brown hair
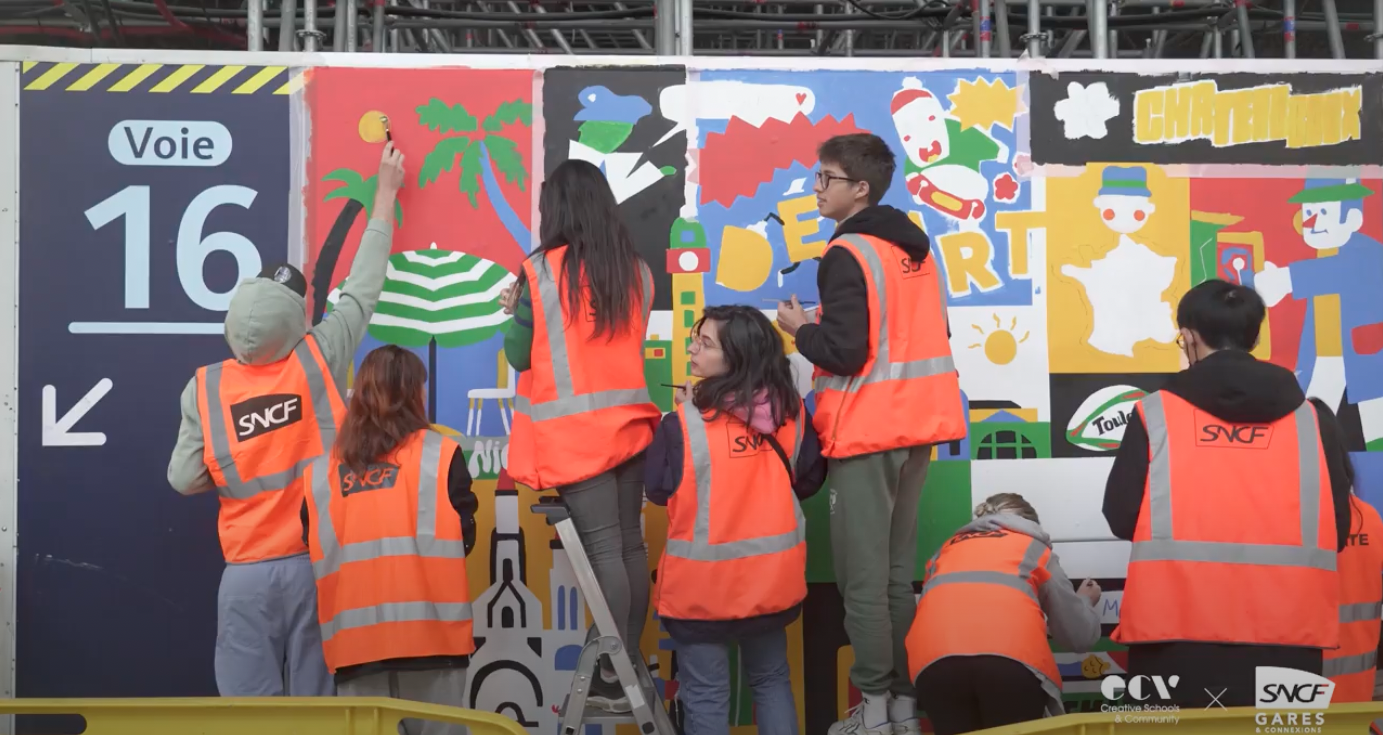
column 386, row 407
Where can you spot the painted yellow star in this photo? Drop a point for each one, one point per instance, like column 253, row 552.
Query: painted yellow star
column 982, row 103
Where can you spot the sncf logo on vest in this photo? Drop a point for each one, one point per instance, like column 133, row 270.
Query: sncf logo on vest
column 746, row 443
column 912, row 268
column 262, row 414
column 380, row 476
column 1212, row 432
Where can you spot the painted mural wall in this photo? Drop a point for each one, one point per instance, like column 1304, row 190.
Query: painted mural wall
column 1068, row 209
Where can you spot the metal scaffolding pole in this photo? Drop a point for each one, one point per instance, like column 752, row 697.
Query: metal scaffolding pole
column 1332, row 30
column 310, row 33
column 685, row 36
column 288, row 14
column 1289, row 28
column 1099, row 29
column 1241, row 14
column 338, row 27
column 1001, row 29
column 1034, row 28
column 254, row 26
column 1377, row 23
column 352, row 10
column 377, row 28
column 985, row 39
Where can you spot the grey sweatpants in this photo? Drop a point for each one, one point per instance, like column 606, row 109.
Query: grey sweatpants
column 268, row 641
column 434, row 686
column 607, row 511
column 874, row 542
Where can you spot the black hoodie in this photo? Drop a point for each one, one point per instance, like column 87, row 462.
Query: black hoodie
column 1237, row 388
column 840, row 343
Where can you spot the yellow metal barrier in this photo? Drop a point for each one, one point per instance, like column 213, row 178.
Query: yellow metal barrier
column 1340, row 719
column 256, row 715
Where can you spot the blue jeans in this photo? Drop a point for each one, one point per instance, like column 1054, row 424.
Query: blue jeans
column 703, row 678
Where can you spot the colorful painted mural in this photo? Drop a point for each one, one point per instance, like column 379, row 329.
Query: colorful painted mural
column 1068, row 210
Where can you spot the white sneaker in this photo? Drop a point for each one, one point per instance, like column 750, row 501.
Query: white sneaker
column 902, row 714
column 854, row 724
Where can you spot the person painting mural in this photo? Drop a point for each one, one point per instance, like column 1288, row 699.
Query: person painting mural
column 1232, row 487
column 583, row 416
column 886, row 392
column 250, row 427
column 978, row 649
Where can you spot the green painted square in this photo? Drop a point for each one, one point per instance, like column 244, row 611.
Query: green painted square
column 945, row 507
column 688, row 319
column 688, row 298
column 996, row 440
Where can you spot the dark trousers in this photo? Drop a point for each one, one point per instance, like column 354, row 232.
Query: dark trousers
column 967, row 693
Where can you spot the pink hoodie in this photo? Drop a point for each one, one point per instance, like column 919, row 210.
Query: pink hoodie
column 762, row 420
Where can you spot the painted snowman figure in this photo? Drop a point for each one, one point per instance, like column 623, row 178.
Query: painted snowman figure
column 942, row 168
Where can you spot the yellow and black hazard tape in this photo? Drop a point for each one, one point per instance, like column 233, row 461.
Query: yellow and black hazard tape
column 161, row 78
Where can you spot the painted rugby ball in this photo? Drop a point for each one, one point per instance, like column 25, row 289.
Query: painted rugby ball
column 1098, row 425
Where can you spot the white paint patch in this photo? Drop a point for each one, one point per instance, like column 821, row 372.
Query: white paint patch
column 1086, row 111
column 722, row 99
column 1066, row 492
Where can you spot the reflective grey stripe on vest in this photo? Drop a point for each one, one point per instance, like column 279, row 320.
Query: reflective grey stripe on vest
column 238, row 489
column 397, row 612
column 884, row 368
column 700, row 547
column 1343, row 665
column 567, row 402
column 1019, row 581
column 1359, row 612
column 423, row 543
column 1162, row 546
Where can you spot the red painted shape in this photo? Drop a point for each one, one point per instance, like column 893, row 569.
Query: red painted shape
column 735, row 163
column 440, row 212
column 703, row 260
column 1005, row 188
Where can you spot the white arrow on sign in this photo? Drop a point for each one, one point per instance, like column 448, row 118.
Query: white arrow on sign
column 56, row 430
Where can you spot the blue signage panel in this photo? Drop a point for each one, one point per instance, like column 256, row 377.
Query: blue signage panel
column 144, row 198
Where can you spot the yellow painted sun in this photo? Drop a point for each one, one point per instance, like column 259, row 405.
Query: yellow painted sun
column 1000, row 345
column 372, row 126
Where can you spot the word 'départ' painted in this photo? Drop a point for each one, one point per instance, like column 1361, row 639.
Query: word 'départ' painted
column 1201, row 111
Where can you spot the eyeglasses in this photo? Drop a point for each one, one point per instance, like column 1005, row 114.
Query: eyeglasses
column 825, row 179
column 700, row 344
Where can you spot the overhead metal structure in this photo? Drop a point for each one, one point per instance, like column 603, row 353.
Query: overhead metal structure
column 923, row 28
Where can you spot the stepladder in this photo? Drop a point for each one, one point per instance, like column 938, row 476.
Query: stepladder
column 645, row 704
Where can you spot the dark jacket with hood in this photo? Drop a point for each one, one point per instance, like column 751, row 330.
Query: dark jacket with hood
column 1233, row 386
column 840, row 343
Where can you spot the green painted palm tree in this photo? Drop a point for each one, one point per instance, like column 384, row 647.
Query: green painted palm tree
column 477, row 150
column 359, row 194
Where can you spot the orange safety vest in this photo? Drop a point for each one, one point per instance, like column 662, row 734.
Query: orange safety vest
column 908, row 393
column 1352, row 665
column 389, row 556
column 584, row 406
column 980, row 598
column 1232, row 515
column 262, row 425
column 736, row 537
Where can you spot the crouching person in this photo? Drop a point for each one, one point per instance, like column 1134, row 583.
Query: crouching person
column 977, row 650
column 389, row 518
column 731, row 465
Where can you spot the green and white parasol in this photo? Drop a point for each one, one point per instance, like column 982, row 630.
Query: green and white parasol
column 442, row 295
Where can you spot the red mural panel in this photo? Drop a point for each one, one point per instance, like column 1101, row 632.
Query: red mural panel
column 1264, row 208
column 466, row 135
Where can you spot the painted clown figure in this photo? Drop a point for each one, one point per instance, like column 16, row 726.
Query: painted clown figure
column 1345, row 315
column 942, row 168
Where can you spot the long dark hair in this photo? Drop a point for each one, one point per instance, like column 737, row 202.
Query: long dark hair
column 386, row 407
column 754, row 361
column 577, row 209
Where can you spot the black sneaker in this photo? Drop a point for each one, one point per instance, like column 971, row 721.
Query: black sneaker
column 608, row 696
